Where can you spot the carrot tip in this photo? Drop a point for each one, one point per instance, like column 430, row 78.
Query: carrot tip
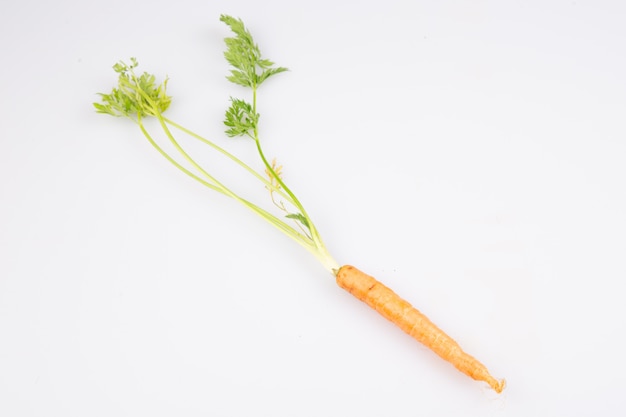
column 498, row 386
column 412, row 321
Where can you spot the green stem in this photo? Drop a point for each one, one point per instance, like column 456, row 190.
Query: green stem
column 172, row 160
column 217, row 186
column 324, row 256
column 229, row 155
column 312, row 244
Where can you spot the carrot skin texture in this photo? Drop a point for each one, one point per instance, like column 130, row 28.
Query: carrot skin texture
column 413, row 322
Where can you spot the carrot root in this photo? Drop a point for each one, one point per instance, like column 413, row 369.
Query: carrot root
column 413, row 322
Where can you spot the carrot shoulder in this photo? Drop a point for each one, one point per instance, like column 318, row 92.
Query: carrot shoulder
column 413, row 322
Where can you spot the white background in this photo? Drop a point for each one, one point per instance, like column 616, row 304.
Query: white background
column 468, row 154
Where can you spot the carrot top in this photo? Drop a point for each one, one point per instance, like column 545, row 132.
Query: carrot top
column 140, row 96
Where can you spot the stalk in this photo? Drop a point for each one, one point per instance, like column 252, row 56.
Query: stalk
column 139, row 96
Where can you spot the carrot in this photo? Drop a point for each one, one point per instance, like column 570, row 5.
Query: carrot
column 413, row 322
column 138, row 96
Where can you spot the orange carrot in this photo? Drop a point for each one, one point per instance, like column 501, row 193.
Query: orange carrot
column 139, row 97
column 410, row 320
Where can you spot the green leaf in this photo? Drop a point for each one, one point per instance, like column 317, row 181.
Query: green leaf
column 299, row 217
column 102, row 108
column 239, row 77
column 240, row 118
column 265, row 63
column 244, row 55
column 269, row 72
column 134, row 95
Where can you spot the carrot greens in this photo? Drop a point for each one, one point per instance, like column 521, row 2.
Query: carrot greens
column 138, row 96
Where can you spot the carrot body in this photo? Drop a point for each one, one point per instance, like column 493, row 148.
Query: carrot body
column 413, row 322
